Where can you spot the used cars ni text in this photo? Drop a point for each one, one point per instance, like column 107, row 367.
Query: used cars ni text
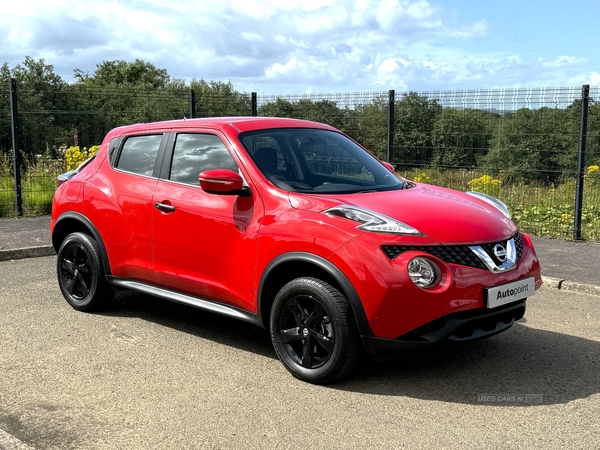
column 293, row 226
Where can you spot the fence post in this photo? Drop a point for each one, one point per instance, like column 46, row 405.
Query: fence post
column 391, row 123
column 192, row 104
column 254, row 105
column 14, row 125
column 585, row 101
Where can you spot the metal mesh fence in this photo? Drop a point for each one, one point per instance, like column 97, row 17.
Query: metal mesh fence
column 506, row 100
column 76, row 115
column 520, row 145
column 82, row 115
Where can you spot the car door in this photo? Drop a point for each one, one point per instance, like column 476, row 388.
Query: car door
column 120, row 203
column 204, row 244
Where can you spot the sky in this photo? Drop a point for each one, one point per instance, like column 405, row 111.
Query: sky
column 308, row 46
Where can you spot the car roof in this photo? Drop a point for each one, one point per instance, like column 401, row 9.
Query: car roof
column 241, row 124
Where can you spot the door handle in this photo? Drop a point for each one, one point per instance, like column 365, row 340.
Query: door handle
column 164, row 207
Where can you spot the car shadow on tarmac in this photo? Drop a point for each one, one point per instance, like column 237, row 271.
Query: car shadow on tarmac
column 211, row 326
column 521, row 367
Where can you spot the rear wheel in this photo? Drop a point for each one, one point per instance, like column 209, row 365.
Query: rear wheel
column 81, row 275
column 313, row 331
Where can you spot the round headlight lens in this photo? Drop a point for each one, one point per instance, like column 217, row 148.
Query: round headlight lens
column 423, row 272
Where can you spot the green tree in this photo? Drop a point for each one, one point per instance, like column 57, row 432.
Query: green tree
column 593, row 135
column 279, row 108
column 121, row 93
column 119, row 72
column 415, row 117
column 218, row 98
column 459, row 137
column 40, row 94
column 531, row 146
column 324, row 111
column 372, row 126
column 569, row 160
column 5, row 132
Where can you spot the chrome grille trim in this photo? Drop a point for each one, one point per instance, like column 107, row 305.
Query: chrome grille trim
column 510, row 262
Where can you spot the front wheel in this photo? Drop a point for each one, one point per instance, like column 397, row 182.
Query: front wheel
column 313, row 331
column 81, row 275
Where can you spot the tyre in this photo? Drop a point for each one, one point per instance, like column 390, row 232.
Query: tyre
column 313, row 331
column 81, row 275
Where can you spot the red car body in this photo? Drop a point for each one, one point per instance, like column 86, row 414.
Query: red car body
column 231, row 245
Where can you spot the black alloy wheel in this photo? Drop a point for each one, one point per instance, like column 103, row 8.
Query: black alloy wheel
column 306, row 331
column 76, row 272
column 313, row 331
column 80, row 273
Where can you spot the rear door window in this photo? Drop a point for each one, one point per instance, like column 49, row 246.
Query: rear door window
column 138, row 154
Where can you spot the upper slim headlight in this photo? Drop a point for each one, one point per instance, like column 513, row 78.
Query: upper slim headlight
column 499, row 204
column 371, row 221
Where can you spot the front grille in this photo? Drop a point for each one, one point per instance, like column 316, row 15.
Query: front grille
column 455, row 254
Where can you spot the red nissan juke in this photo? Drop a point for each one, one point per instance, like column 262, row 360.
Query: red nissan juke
column 293, row 226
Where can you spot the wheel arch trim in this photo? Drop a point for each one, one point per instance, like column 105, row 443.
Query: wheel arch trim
column 58, row 229
column 332, row 270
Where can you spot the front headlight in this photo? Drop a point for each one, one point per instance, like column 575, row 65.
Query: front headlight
column 499, row 204
column 371, row 221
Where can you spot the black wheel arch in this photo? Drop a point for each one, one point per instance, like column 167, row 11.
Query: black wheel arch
column 70, row 222
column 293, row 265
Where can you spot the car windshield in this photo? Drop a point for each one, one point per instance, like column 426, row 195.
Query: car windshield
column 317, row 161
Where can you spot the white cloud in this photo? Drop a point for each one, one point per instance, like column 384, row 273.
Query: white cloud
column 395, row 14
column 591, row 78
column 562, row 61
column 477, row 29
column 276, row 45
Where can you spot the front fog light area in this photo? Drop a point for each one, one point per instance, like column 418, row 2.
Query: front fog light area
column 423, row 272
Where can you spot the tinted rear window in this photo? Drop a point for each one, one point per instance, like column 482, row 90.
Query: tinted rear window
column 138, row 154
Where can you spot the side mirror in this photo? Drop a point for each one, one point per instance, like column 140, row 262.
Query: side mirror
column 389, row 166
column 223, row 182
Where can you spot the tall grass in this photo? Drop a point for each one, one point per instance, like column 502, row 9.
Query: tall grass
column 38, row 184
column 38, row 191
column 7, row 196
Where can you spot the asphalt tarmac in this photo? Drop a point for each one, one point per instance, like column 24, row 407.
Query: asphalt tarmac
column 151, row 374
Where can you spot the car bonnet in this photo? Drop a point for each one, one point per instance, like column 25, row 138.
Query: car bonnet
column 447, row 216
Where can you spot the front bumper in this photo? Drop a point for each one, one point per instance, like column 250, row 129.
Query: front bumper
column 394, row 306
column 458, row 327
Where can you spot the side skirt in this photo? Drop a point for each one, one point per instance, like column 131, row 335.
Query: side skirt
column 196, row 302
